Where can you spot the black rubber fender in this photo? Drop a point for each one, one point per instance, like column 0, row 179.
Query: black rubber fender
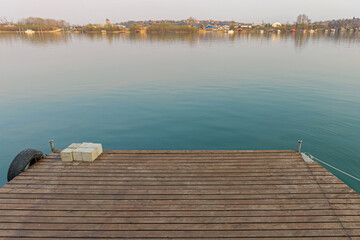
column 26, row 157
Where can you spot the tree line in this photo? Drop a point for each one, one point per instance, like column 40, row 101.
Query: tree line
column 171, row 28
column 43, row 22
column 33, row 23
column 302, row 22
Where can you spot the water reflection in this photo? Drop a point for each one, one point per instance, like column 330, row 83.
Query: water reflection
column 300, row 39
column 36, row 39
column 182, row 91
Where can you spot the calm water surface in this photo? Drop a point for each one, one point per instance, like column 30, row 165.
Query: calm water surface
column 210, row 91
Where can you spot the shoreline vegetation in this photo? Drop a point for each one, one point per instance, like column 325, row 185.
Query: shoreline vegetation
column 191, row 25
column 170, row 28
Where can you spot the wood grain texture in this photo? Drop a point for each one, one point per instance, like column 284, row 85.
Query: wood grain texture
column 179, row 195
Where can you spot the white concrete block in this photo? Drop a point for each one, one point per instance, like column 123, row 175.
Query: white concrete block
column 67, row 155
column 77, row 154
column 98, row 146
column 74, row 145
column 86, row 145
column 88, row 154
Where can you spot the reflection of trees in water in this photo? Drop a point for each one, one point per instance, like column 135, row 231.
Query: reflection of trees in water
column 347, row 37
column 37, row 38
column 190, row 38
column 300, row 39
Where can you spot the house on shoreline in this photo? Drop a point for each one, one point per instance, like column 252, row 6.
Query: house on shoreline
column 276, row 25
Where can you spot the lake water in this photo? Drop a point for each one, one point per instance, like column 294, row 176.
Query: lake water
column 209, row 91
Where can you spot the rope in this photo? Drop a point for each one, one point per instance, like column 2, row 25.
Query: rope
column 347, row 174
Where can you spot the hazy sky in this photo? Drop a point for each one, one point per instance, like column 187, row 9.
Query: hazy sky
column 95, row 11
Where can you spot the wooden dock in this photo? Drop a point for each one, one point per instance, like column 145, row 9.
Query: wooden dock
column 180, row 195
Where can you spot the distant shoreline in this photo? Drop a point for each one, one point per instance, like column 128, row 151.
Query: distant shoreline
column 303, row 24
column 178, row 32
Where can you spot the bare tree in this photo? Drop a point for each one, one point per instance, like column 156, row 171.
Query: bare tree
column 191, row 21
column 4, row 21
column 303, row 19
column 43, row 22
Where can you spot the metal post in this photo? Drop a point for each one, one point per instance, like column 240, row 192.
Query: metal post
column 299, row 146
column 52, row 145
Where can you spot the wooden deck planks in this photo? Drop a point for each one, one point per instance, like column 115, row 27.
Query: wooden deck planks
column 181, row 195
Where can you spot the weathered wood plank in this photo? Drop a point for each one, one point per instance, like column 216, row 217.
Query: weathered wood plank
column 208, row 238
column 89, row 186
column 167, row 220
column 175, row 234
column 176, row 213
column 166, row 202
column 168, row 196
column 170, row 227
column 168, row 192
column 156, row 207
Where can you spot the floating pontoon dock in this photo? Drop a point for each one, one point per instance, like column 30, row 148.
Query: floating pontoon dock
column 179, row 195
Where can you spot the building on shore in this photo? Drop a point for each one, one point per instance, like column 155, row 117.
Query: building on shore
column 256, row 25
column 245, row 26
column 275, row 25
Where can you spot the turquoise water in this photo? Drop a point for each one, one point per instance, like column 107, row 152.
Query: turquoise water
column 210, row 91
